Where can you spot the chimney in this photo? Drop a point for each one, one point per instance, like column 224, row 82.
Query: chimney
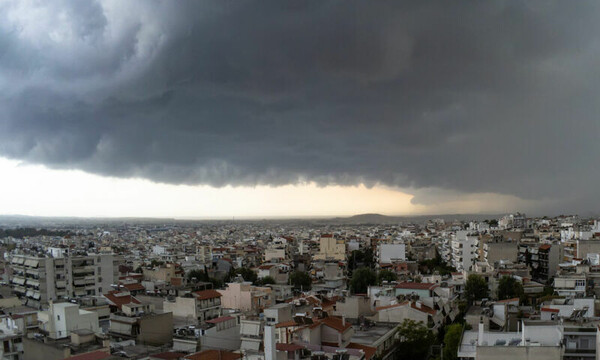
column 480, row 335
column 269, row 343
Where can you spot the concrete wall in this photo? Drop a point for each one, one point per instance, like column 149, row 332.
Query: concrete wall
column 391, row 252
column 156, row 330
column 182, row 307
column 518, row 352
column 36, row 350
column 353, row 307
column 585, row 247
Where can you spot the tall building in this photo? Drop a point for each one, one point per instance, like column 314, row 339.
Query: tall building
column 41, row 279
column 464, row 250
column 331, row 248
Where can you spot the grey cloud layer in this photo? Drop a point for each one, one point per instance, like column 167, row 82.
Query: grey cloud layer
column 470, row 96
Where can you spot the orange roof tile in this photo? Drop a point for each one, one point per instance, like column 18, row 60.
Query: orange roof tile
column 336, row 323
column 207, row 294
column 368, row 350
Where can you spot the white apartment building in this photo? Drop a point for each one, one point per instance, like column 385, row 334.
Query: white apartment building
column 62, row 318
column 464, row 250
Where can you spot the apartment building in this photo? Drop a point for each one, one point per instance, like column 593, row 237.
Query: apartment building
column 202, row 305
column 499, row 248
column 549, row 256
column 331, row 248
column 464, row 250
column 390, row 253
column 62, row 318
column 38, row 279
column 246, row 297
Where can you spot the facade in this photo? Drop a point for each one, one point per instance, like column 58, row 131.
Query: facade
column 246, row 297
column 201, row 305
column 464, row 250
column 497, row 249
column 62, row 318
column 391, row 253
column 41, row 279
column 549, row 256
column 140, row 322
column 331, row 248
column 535, row 341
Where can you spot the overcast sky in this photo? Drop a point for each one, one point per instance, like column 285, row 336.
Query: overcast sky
column 442, row 106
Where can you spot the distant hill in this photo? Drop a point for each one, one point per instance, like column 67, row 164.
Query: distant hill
column 13, row 221
column 385, row 219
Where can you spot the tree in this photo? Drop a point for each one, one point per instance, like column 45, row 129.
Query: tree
column 361, row 279
column 361, row 258
column 154, row 263
column 197, row 274
column 509, row 287
column 415, row 340
column 386, row 275
column 475, row 288
column 452, row 341
column 300, row 280
column 430, row 266
column 267, row 280
column 247, row 274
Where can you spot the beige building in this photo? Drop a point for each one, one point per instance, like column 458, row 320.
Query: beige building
column 161, row 273
column 201, row 305
column 352, row 307
column 141, row 323
column 331, row 248
column 246, row 297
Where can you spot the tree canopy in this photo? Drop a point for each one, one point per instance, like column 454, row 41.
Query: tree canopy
column 452, row 341
column 361, row 258
column 430, row 266
column 415, row 340
column 509, row 287
column 300, row 280
column 386, row 275
column 267, row 280
column 247, row 274
column 361, row 279
column 475, row 288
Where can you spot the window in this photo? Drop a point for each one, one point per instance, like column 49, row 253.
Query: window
column 58, row 317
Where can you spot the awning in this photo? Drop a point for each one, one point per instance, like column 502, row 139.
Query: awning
column 33, row 282
column 18, row 280
column 18, row 260
column 250, row 345
column 37, row 295
column 29, row 293
column 32, row 263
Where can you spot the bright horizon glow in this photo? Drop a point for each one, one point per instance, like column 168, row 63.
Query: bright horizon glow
column 38, row 191
column 35, row 190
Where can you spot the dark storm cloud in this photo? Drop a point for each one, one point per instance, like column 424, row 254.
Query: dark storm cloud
column 467, row 96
